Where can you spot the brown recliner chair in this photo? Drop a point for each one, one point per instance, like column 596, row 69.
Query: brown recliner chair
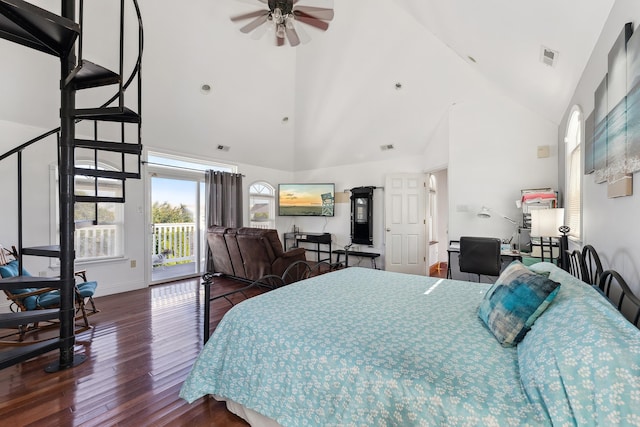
column 250, row 253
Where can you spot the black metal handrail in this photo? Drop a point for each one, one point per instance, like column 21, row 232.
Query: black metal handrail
column 65, row 151
column 135, row 72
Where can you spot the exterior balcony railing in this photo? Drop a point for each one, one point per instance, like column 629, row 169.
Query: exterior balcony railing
column 174, row 243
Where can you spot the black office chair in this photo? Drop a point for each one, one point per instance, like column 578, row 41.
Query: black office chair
column 593, row 266
column 480, row 255
column 577, row 267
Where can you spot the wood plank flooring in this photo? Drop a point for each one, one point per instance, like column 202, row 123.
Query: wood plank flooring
column 140, row 350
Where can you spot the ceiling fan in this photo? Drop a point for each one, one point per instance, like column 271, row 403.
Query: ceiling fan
column 282, row 17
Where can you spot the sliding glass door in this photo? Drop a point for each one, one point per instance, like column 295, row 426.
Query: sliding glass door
column 177, row 215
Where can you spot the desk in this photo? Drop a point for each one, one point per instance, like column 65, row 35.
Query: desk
column 371, row 255
column 316, row 238
column 454, row 247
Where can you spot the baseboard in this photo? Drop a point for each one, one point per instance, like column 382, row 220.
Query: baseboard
column 120, row 288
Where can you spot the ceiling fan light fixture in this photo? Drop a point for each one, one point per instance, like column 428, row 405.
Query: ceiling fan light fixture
column 281, row 15
column 277, row 16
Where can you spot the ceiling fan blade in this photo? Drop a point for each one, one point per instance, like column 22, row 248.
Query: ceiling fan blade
column 253, row 2
column 314, row 22
column 255, row 23
column 249, row 15
column 302, row 34
column 316, row 12
column 279, row 41
column 261, row 31
column 292, row 35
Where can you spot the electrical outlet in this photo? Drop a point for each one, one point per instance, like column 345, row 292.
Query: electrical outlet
column 133, row 263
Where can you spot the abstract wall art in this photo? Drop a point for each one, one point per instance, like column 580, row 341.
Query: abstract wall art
column 612, row 130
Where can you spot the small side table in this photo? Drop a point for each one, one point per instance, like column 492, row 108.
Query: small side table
column 371, row 255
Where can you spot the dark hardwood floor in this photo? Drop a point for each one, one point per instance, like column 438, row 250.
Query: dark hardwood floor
column 140, row 350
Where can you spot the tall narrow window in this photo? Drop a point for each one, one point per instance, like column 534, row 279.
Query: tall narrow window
column 573, row 167
column 262, row 206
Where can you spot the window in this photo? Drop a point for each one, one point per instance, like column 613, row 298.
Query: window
column 262, row 205
column 99, row 228
column 573, row 168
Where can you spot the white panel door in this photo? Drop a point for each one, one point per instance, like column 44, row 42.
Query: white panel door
column 405, row 223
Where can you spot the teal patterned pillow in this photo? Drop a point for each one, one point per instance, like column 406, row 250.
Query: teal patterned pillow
column 515, row 301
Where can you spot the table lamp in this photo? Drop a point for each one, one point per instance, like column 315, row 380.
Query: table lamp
column 486, row 212
column 550, row 223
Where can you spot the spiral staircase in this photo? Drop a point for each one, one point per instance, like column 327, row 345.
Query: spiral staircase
column 61, row 35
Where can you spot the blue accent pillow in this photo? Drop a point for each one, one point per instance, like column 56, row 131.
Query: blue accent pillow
column 515, row 301
column 11, row 270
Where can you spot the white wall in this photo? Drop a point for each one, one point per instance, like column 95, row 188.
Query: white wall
column 347, row 177
column 492, row 156
column 610, row 225
column 113, row 276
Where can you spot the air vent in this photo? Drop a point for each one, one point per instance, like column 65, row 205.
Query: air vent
column 387, row 147
column 548, row 56
column 223, row 147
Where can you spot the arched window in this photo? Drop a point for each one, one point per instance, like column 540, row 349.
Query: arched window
column 573, row 173
column 262, row 205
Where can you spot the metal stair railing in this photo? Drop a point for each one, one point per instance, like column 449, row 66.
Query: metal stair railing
column 70, row 66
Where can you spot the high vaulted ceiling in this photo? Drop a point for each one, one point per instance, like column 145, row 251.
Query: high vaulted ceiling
column 338, row 91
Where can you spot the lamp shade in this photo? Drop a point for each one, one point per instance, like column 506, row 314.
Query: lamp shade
column 484, row 212
column 545, row 222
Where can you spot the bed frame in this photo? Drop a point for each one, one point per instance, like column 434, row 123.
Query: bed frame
column 615, row 288
column 299, row 270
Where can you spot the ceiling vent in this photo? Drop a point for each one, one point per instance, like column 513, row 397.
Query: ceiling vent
column 387, row 147
column 223, row 147
column 548, row 56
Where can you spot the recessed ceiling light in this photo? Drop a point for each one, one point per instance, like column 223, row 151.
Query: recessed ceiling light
column 205, row 89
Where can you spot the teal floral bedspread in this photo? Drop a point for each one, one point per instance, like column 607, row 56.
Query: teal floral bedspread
column 363, row 347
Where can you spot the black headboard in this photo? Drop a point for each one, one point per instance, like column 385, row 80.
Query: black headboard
column 616, row 289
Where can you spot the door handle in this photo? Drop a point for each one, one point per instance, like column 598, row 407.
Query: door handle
column 388, row 229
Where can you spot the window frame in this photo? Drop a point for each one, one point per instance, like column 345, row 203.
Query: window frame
column 118, row 223
column 573, row 141
column 270, row 196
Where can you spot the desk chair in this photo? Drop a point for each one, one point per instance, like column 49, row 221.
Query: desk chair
column 480, row 255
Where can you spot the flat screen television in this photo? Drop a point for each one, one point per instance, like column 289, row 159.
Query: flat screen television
column 306, row 199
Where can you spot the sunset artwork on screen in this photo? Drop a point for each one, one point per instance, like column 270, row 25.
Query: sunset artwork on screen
column 306, row 199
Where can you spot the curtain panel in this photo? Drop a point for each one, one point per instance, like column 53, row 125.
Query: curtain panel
column 223, row 202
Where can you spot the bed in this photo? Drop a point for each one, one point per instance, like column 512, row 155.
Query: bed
column 363, row 347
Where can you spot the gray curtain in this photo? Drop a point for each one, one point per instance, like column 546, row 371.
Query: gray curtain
column 223, row 191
